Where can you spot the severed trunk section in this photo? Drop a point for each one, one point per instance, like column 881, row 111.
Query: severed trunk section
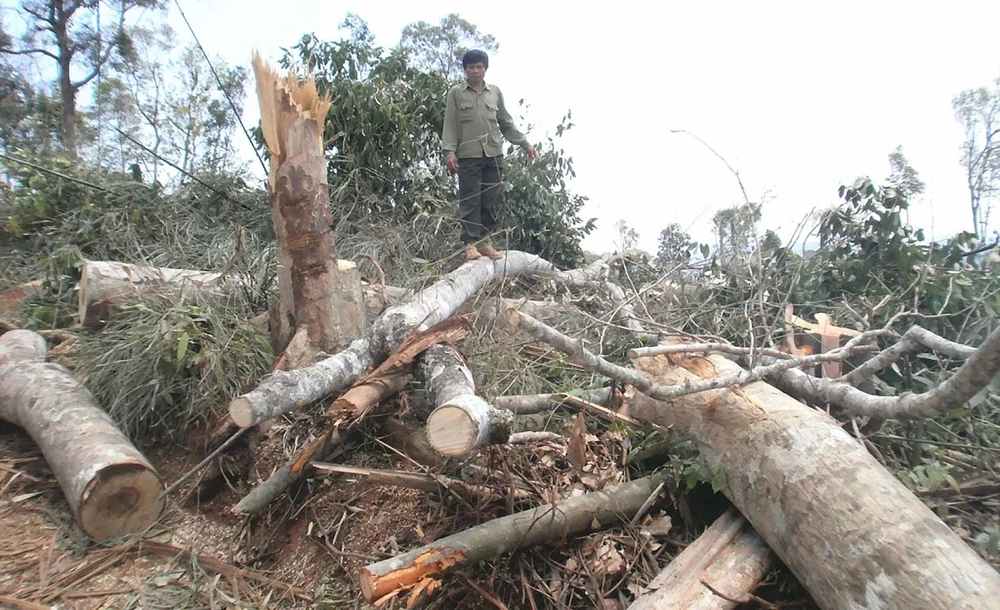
column 104, row 285
column 284, row 391
column 313, row 291
column 461, row 421
column 111, row 488
column 849, row 531
column 542, row 524
column 716, row 572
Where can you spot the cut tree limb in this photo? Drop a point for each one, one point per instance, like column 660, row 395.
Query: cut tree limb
column 545, row 523
column 110, row 486
column 461, row 421
column 852, row 534
column 729, row 555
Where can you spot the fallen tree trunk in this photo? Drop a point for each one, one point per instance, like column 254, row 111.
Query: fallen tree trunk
column 111, row 488
column 716, row 572
column 545, row 523
column 282, row 391
column 852, row 534
column 105, row 285
column 849, row 531
column 461, row 421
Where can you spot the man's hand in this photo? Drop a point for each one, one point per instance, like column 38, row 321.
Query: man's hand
column 532, row 153
column 452, row 164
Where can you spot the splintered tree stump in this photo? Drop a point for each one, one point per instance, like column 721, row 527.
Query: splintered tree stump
column 111, row 488
column 551, row 522
column 313, row 291
column 461, row 421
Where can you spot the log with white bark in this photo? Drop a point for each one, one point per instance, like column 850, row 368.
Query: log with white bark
column 110, row 486
column 283, row 392
column 461, row 420
column 313, row 291
column 551, row 522
column 105, row 285
column 729, row 556
column 852, row 534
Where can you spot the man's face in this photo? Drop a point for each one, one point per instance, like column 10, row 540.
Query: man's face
column 475, row 73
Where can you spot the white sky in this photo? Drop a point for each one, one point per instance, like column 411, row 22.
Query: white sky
column 799, row 98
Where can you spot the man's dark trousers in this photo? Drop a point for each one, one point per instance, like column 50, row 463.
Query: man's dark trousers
column 480, row 192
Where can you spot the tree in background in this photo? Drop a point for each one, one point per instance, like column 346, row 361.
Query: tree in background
column 628, row 238
column 736, row 232
column 66, row 32
column 902, row 176
column 978, row 111
column 674, row 248
column 439, row 48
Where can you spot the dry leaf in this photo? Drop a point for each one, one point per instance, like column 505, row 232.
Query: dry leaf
column 576, row 451
column 608, row 560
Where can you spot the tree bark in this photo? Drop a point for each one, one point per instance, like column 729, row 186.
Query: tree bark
column 850, row 532
column 729, row 556
column 111, row 488
column 461, row 420
column 542, row 524
column 313, row 291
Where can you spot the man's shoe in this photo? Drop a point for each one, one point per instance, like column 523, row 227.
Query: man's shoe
column 471, row 253
column 490, row 251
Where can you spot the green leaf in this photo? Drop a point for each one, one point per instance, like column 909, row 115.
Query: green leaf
column 182, row 346
column 718, row 477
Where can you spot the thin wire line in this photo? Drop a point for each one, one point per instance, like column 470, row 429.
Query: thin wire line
column 225, row 93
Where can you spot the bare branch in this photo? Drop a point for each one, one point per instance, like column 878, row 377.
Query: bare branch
column 973, row 376
column 28, row 52
column 593, row 362
column 689, row 348
column 911, row 341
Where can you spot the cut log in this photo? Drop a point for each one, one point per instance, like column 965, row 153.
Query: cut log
column 729, row 556
column 105, row 285
column 545, row 523
column 111, row 488
column 312, row 291
column 852, row 534
column 461, row 421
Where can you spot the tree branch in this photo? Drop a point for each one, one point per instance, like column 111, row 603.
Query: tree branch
column 593, row 362
column 911, row 341
column 973, row 376
column 28, row 52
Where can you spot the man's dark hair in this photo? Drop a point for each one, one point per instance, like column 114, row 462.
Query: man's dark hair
column 475, row 56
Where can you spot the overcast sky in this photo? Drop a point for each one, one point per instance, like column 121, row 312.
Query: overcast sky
column 799, row 97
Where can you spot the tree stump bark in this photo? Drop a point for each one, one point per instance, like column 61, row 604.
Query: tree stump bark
column 111, row 488
column 313, row 290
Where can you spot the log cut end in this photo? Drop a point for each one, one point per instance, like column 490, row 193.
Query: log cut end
column 451, row 431
column 122, row 499
column 241, row 412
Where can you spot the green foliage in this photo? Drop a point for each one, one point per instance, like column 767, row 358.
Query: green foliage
column 382, row 136
column 674, row 248
column 160, row 366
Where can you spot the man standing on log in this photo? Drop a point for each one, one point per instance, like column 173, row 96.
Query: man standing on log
column 474, row 118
